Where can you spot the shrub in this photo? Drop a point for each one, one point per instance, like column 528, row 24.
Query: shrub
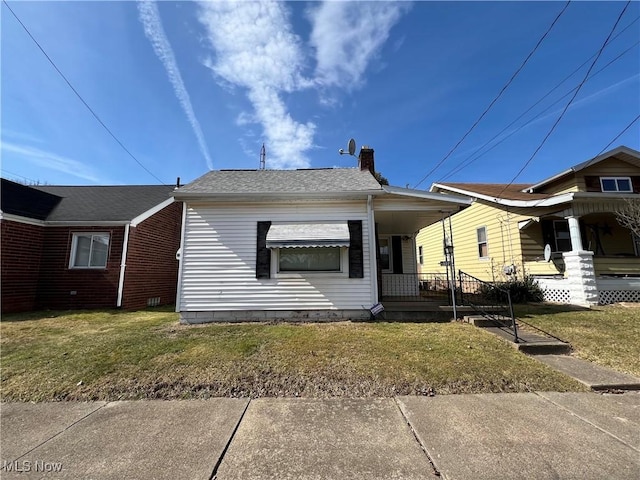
column 522, row 291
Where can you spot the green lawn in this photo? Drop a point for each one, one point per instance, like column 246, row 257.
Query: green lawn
column 129, row 355
column 608, row 335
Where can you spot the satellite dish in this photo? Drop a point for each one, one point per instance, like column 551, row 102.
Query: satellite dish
column 352, row 146
column 547, row 252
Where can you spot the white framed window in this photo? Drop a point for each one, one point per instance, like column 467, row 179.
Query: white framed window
column 483, row 246
column 616, row 184
column 386, row 259
column 562, row 235
column 89, row 250
column 420, row 255
column 310, row 260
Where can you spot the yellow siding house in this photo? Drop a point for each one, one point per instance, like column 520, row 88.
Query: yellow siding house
column 562, row 230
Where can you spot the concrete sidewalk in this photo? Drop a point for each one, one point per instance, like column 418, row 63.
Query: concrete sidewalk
column 485, row 436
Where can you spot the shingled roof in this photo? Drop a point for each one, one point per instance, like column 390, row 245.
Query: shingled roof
column 250, row 182
column 104, row 203
column 495, row 190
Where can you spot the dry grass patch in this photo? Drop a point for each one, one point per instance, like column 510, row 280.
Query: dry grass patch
column 129, row 355
column 608, row 335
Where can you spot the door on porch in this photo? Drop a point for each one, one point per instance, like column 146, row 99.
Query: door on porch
column 398, row 266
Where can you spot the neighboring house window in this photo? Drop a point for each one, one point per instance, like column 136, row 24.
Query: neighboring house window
column 309, row 259
column 616, row 184
column 483, row 251
column 420, row 255
column 562, row 236
column 384, row 245
column 89, row 250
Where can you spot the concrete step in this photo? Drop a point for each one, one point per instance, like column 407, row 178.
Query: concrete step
column 483, row 322
column 531, row 343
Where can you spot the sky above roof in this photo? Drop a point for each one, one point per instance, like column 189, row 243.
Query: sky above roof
column 185, row 87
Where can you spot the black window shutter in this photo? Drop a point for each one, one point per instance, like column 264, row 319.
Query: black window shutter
column 592, row 183
column 263, row 254
column 396, row 251
column 356, row 261
column 635, row 184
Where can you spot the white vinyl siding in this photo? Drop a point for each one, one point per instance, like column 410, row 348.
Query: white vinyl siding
column 219, row 260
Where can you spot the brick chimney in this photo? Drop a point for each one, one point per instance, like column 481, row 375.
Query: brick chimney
column 365, row 159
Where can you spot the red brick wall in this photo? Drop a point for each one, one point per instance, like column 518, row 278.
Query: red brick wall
column 21, row 249
column 152, row 268
column 94, row 288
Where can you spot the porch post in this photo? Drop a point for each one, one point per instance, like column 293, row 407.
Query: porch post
column 574, row 232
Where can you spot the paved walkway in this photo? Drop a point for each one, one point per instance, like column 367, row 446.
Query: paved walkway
column 485, row 436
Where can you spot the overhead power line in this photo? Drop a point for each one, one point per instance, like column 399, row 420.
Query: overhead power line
column 553, row 127
column 468, row 160
column 504, row 88
column 80, row 96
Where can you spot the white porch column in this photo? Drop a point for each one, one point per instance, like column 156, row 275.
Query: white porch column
column 574, row 232
column 581, row 277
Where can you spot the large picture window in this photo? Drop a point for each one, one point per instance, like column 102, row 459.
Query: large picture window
column 309, row 259
column 89, row 250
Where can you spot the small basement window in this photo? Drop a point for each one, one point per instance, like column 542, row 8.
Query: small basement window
column 89, row 250
column 616, row 184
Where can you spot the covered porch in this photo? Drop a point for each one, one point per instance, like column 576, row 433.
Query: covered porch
column 590, row 258
column 399, row 216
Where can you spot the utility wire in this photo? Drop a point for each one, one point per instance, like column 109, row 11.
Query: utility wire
column 80, row 96
column 468, row 161
column 553, row 127
column 497, row 97
column 464, row 163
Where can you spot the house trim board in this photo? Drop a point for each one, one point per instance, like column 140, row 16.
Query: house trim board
column 181, row 257
column 123, row 264
column 152, row 211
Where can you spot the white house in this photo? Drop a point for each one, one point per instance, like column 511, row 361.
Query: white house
column 295, row 244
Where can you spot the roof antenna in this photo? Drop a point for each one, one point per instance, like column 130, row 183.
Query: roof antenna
column 263, row 158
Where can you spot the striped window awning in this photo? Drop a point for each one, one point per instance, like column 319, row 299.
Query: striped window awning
column 308, row 235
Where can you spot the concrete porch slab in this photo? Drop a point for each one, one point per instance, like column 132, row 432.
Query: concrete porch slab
column 142, row 439
column 594, row 376
column 324, row 439
column 514, row 436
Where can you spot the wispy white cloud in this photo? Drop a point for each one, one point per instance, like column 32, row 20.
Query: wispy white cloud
column 347, row 36
column 51, row 161
column 153, row 29
column 256, row 49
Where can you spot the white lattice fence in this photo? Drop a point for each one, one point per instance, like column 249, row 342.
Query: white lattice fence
column 556, row 295
column 615, row 296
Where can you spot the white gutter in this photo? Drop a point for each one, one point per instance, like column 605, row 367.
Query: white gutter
column 181, row 256
column 373, row 266
column 123, row 264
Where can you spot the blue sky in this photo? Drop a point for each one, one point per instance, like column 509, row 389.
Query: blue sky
column 190, row 86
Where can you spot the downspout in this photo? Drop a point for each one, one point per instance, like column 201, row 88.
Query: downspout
column 123, row 264
column 373, row 267
column 181, row 257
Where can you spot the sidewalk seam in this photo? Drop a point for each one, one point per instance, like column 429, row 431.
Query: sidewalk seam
column 588, row 421
column 62, row 431
column 226, row 447
column 436, row 472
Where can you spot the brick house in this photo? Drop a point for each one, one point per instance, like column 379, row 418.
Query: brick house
column 67, row 247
